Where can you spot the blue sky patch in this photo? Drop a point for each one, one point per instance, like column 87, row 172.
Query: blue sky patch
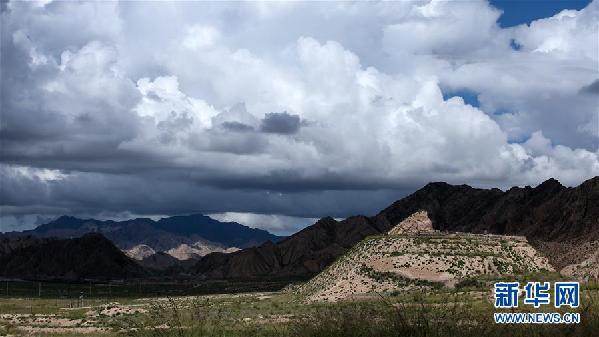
column 516, row 12
column 469, row 96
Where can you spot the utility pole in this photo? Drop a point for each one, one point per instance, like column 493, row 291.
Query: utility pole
column 90, row 288
column 39, row 289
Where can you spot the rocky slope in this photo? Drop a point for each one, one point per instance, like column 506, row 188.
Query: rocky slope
column 548, row 215
column 91, row 256
column 402, row 262
column 139, row 252
column 182, row 252
column 197, row 250
column 548, row 212
column 587, row 269
column 302, row 254
column 416, row 223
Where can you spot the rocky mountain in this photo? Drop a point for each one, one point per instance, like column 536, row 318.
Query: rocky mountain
column 548, row 212
column 587, row 269
column 91, row 256
column 161, row 235
column 559, row 221
column 197, row 250
column 139, row 252
column 183, row 252
column 552, row 217
column 302, row 254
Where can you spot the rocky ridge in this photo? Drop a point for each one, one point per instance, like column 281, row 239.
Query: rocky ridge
column 552, row 217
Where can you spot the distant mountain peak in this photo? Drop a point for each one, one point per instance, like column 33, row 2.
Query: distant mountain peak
column 161, row 235
column 67, row 219
column 550, row 184
column 436, row 184
column 63, row 221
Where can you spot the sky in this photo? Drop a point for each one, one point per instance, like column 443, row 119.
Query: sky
column 276, row 114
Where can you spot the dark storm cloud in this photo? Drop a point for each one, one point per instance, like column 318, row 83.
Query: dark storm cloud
column 236, row 142
column 281, row 123
column 80, row 124
column 289, row 181
column 237, row 127
column 592, row 88
column 92, row 193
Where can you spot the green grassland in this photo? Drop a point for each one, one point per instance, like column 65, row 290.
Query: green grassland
column 466, row 310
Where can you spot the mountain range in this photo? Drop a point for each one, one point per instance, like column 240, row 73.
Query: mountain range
column 560, row 222
column 162, row 235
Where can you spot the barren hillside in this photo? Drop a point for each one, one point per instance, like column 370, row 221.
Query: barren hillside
column 387, row 263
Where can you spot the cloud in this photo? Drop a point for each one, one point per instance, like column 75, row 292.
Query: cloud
column 592, row 88
column 452, row 30
column 281, row 123
column 237, row 126
column 289, row 109
column 537, row 87
column 199, row 37
column 276, row 224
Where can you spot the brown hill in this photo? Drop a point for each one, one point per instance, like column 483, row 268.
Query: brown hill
column 549, row 215
column 420, row 260
column 548, row 212
column 91, row 256
column 302, row 254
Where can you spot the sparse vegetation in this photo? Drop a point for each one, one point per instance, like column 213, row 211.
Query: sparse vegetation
column 441, row 312
column 406, row 311
column 404, row 262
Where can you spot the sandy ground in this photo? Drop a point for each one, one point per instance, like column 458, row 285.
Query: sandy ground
column 51, row 323
column 57, row 324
